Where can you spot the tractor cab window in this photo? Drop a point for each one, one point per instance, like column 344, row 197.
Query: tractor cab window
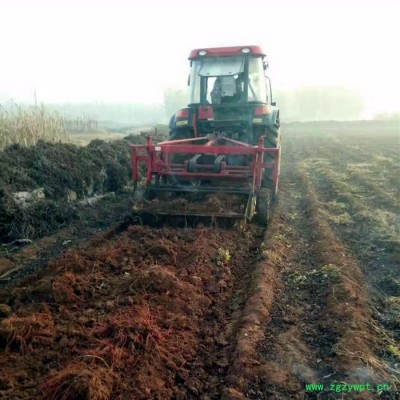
column 218, row 80
column 257, row 87
column 194, row 83
column 221, row 74
column 224, row 89
column 215, row 78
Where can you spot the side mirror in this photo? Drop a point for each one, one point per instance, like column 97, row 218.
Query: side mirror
column 273, row 103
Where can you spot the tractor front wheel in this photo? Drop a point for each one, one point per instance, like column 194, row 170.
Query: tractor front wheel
column 263, row 206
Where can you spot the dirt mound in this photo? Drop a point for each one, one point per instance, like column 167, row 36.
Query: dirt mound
column 63, row 173
column 62, row 167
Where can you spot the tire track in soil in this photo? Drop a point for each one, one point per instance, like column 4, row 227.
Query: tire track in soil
column 287, row 356
column 220, row 329
column 322, row 328
column 295, row 347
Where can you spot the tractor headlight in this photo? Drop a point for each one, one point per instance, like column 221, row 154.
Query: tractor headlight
column 202, row 53
column 246, row 50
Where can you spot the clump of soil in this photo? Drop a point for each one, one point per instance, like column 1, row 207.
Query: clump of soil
column 186, row 203
column 22, row 333
column 5, row 310
column 80, row 381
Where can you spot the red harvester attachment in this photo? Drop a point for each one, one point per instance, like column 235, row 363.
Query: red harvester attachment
column 212, row 176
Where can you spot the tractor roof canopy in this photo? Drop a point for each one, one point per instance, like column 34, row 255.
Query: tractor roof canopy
column 225, row 51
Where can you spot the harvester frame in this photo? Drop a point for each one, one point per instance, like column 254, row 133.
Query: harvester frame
column 159, row 160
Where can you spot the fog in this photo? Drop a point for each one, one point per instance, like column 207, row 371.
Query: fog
column 132, row 51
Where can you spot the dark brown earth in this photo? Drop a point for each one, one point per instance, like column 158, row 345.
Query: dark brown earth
column 141, row 312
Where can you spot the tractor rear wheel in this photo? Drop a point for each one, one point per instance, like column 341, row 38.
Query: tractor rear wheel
column 272, row 139
column 263, row 205
column 177, row 134
column 182, row 133
column 272, row 136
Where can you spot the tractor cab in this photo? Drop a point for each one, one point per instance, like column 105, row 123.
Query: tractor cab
column 228, row 93
column 227, row 79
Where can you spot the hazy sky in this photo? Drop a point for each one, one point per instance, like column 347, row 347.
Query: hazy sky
column 120, row 51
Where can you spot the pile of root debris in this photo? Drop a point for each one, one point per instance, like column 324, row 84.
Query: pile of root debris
column 41, row 185
column 123, row 318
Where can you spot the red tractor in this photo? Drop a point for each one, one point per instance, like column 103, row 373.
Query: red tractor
column 226, row 141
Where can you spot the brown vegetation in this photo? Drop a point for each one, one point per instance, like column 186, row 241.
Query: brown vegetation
column 26, row 127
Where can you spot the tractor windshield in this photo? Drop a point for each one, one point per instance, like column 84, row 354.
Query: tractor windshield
column 216, row 80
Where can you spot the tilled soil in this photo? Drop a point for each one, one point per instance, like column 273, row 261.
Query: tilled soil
column 136, row 314
column 145, row 312
column 23, row 257
column 331, row 324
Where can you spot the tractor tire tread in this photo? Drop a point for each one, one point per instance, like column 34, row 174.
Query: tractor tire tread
column 263, row 202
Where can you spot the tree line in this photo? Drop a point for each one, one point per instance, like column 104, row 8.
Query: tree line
column 312, row 103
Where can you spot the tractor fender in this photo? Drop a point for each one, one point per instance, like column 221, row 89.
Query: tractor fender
column 180, row 127
column 171, row 122
column 275, row 117
column 271, row 119
column 181, row 122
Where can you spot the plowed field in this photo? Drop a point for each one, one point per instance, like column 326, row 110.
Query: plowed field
column 207, row 313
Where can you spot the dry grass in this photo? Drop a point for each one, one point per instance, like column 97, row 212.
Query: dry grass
column 24, row 333
column 27, row 126
column 80, row 381
column 84, row 138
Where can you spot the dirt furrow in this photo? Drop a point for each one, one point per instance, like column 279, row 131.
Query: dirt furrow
column 373, row 237
column 295, row 347
column 333, row 185
column 357, row 184
column 370, row 176
column 322, row 328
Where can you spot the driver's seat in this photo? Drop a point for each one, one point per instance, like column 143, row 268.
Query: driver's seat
column 224, row 90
